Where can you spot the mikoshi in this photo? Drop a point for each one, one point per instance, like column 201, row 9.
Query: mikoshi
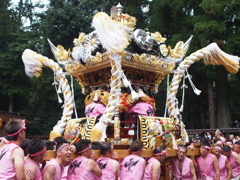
column 118, row 68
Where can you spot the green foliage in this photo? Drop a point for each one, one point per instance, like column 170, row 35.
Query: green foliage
column 65, row 19
column 209, row 21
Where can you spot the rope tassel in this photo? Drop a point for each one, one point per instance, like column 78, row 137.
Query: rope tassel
column 195, row 90
column 95, row 99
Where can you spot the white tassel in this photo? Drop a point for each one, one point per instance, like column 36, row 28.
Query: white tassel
column 112, row 35
column 59, row 91
column 95, row 99
column 59, row 99
column 195, row 90
column 141, row 93
column 181, row 108
column 134, row 94
column 126, row 82
column 55, row 83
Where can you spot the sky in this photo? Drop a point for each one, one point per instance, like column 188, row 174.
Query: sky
column 33, row 1
column 26, row 22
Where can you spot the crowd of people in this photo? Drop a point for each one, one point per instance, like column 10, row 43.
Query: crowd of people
column 21, row 159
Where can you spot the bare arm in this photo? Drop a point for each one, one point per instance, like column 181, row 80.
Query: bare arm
column 156, row 168
column 193, row 172
column 117, row 169
column 93, row 167
column 49, row 173
column 18, row 161
column 229, row 170
column 144, row 165
column 170, row 167
column 30, row 172
column 236, row 157
column 194, row 162
column 170, row 175
column 216, row 167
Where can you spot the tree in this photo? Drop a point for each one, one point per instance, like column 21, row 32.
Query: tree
column 207, row 22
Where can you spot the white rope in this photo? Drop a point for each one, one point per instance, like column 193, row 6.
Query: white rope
column 166, row 105
column 183, row 93
column 127, row 84
column 55, row 83
column 196, row 91
column 74, row 104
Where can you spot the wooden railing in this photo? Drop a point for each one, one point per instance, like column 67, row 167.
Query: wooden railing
column 235, row 131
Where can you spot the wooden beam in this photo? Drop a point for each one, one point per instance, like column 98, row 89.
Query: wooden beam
column 121, row 153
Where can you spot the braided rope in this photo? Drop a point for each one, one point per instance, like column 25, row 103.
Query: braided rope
column 34, row 62
column 211, row 54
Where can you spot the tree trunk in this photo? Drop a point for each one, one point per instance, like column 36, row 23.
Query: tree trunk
column 211, row 105
column 10, row 105
column 223, row 105
column 20, row 12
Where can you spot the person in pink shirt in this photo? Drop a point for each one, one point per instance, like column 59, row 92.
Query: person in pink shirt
column 36, row 152
column 218, row 141
column 82, row 167
column 183, row 168
column 133, row 166
column 236, row 147
column 207, row 164
column 110, row 167
column 224, row 165
column 11, row 155
column 153, row 167
column 54, row 168
column 234, row 160
column 65, row 170
column 232, row 138
column 229, row 142
column 218, row 134
column 3, row 141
